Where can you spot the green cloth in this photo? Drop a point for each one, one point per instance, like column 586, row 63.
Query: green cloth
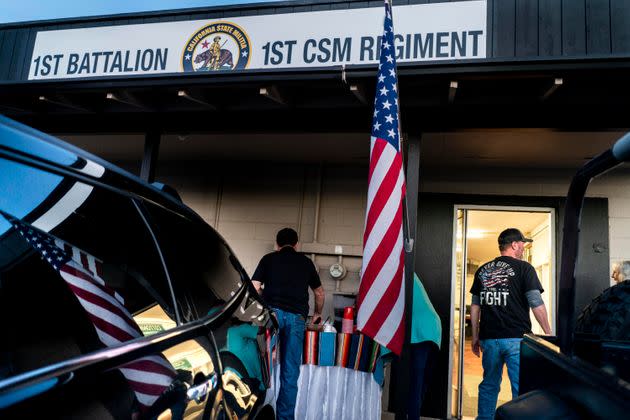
column 241, row 341
column 425, row 324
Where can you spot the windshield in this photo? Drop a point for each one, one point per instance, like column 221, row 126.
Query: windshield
column 24, row 190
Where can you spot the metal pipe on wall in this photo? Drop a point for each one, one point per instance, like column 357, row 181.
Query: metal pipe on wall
column 338, row 281
column 301, row 203
column 318, row 200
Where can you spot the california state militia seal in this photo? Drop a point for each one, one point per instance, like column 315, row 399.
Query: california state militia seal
column 219, row 46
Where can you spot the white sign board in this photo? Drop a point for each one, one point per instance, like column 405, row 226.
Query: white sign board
column 441, row 31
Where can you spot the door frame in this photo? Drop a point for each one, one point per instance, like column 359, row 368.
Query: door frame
column 553, row 298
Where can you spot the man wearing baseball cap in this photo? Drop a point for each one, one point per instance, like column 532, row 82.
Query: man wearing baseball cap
column 503, row 291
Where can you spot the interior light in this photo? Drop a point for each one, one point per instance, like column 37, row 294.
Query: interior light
column 476, row 234
column 473, row 234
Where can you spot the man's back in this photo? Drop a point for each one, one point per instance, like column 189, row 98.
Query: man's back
column 501, row 285
column 287, row 275
column 503, row 291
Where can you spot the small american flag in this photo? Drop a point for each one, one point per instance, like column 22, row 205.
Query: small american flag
column 381, row 300
column 148, row 376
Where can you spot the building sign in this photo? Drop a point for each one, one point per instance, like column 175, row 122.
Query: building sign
column 426, row 32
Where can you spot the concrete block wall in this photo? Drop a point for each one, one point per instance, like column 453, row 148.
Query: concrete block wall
column 255, row 199
column 249, row 201
column 616, row 186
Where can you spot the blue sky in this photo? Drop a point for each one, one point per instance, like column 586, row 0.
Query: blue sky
column 27, row 10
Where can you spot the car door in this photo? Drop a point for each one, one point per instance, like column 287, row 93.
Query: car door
column 206, row 275
column 91, row 327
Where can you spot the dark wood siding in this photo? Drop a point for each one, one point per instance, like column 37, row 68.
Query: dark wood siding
column 515, row 28
column 2, row 35
column 503, row 28
column 6, row 52
column 550, row 28
column 619, row 27
column 573, row 27
column 19, row 54
column 598, row 26
column 526, row 28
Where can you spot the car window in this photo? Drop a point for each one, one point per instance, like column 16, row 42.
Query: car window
column 245, row 343
column 113, row 288
column 205, row 274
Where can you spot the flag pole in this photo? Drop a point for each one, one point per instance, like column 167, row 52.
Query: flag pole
column 403, row 371
column 412, row 161
column 410, row 210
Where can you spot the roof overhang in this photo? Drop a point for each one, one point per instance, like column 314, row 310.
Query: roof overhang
column 578, row 94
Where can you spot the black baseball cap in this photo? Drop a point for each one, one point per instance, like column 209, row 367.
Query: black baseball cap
column 512, row 235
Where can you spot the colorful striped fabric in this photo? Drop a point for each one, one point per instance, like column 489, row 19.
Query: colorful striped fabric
column 310, row 347
column 343, row 349
column 374, row 355
column 356, row 363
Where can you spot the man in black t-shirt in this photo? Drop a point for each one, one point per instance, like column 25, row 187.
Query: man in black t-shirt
column 286, row 276
column 503, row 291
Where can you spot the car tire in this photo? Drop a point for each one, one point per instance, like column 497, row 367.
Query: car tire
column 266, row 413
column 608, row 315
column 602, row 332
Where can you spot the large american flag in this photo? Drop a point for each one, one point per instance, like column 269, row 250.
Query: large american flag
column 82, row 272
column 381, row 300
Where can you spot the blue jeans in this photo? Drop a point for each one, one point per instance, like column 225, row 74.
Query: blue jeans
column 496, row 353
column 291, row 344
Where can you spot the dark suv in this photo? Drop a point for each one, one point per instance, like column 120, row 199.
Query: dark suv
column 117, row 300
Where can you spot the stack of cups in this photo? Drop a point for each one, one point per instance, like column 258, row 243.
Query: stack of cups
column 347, row 323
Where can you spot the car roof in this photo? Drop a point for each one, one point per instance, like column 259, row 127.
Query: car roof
column 19, row 142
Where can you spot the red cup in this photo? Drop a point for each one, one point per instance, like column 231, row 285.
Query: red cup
column 347, row 323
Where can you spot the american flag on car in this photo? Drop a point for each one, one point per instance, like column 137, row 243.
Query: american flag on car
column 82, row 272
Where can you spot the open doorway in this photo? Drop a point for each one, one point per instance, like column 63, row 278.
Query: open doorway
column 477, row 229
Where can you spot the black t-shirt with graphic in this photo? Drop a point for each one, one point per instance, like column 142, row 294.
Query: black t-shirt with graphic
column 501, row 285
